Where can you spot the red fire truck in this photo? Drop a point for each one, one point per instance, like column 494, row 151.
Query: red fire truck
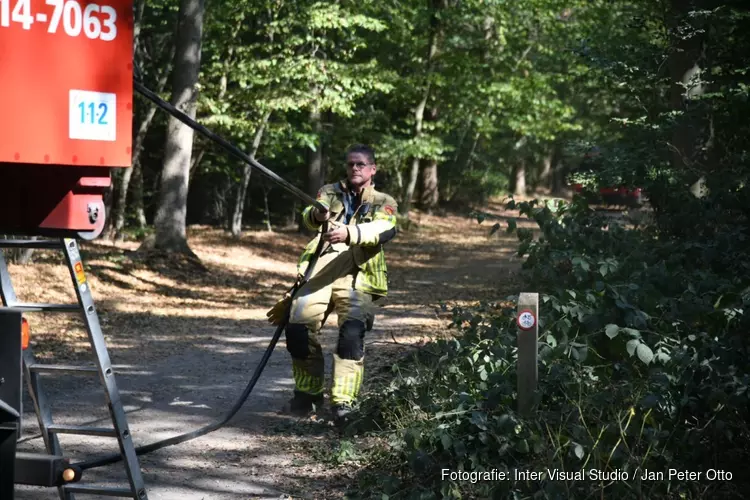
column 66, row 91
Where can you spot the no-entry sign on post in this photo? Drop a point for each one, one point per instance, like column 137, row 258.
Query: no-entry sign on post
column 66, row 82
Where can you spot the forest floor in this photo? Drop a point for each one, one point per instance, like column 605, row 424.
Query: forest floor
column 184, row 343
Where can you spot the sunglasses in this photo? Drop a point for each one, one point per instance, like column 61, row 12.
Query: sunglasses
column 358, row 164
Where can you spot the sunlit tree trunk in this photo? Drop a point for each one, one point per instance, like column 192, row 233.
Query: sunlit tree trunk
column 240, row 199
column 686, row 65
column 170, row 221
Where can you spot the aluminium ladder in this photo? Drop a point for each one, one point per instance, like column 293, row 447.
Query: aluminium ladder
column 103, row 368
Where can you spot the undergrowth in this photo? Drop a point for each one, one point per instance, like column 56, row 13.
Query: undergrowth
column 643, row 366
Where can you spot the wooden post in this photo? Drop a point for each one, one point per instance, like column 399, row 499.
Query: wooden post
column 528, row 334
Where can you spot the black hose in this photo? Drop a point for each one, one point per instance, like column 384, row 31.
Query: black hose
column 141, row 450
column 231, row 148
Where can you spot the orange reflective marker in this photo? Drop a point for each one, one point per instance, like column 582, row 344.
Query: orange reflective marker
column 66, row 82
column 25, row 333
column 68, row 475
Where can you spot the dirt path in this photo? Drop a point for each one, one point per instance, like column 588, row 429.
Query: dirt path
column 187, row 342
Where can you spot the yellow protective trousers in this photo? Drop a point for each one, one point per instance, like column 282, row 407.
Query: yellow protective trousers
column 332, row 282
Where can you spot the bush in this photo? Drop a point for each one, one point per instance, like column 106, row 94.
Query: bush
column 473, row 187
column 643, row 366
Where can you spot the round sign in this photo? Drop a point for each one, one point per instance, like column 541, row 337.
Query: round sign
column 526, row 320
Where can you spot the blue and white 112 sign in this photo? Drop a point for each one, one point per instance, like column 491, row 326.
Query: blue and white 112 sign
column 92, row 115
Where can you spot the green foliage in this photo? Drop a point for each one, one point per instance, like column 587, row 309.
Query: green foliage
column 505, row 84
column 643, row 364
column 473, row 187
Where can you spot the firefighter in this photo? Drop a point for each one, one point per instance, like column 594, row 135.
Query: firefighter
column 348, row 277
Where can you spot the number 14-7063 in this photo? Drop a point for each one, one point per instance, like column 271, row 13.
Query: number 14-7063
column 75, row 19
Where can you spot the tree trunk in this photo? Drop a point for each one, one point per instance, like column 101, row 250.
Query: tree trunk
column 545, row 176
column 432, row 48
column 558, row 171
column 140, row 7
column 315, row 165
column 239, row 204
column 117, row 221
column 109, row 203
column 470, row 159
column 400, row 186
column 519, row 178
column 196, row 160
column 430, row 186
column 430, row 182
column 418, row 123
column 20, row 256
column 266, row 190
column 138, row 207
column 315, row 162
column 411, row 186
column 293, row 215
column 121, row 207
column 685, row 68
column 518, row 175
column 170, row 221
column 122, row 201
column 461, row 140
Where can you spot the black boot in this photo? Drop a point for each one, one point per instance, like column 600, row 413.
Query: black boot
column 341, row 414
column 303, row 404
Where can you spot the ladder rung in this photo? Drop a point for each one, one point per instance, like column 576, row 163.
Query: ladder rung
column 98, row 490
column 42, row 368
column 83, row 430
column 46, row 307
column 31, row 244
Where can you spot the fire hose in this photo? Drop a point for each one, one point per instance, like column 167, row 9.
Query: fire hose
column 218, row 423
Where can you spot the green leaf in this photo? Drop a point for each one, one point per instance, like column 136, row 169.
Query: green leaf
column 662, row 356
column 579, row 352
column 632, row 332
column 512, row 225
column 578, row 450
column 479, row 419
column 612, row 330
column 447, row 441
column 603, row 269
column 522, row 446
column 632, row 345
column 495, row 228
column 645, row 353
column 459, row 448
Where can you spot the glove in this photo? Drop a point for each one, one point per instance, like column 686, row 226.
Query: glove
column 277, row 313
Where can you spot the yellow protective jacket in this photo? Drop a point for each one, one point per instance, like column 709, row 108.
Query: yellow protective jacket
column 372, row 224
